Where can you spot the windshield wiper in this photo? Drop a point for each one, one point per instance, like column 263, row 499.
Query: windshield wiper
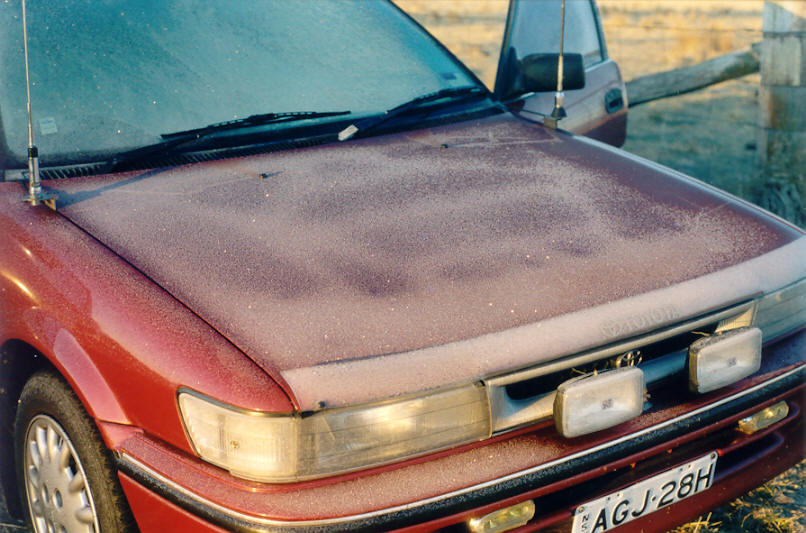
column 377, row 120
column 171, row 141
column 254, row 120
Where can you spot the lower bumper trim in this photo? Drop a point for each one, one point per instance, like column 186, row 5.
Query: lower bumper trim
column 479, row 495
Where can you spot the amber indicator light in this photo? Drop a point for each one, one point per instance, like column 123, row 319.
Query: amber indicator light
column 764, row 418
column 504, row 519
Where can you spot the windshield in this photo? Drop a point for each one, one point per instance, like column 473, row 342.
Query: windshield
column 113, row 75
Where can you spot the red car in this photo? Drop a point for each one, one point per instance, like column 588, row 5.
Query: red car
column 303, row 272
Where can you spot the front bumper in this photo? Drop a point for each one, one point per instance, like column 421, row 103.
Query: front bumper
column 451, row 487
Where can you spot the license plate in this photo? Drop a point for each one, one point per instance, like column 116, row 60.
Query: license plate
column 618, row 508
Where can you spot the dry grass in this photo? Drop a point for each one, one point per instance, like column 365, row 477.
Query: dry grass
column 677, row 33
column 777, row 507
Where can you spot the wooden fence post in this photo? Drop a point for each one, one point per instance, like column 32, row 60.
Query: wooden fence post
column 782, row 102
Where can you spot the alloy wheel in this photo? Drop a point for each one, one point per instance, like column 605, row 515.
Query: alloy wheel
column 56, row 486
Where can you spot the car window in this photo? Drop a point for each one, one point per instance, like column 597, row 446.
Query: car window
column 114, row 74
column 537, row 28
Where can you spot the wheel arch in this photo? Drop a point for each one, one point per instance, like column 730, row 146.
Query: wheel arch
column 19, row 360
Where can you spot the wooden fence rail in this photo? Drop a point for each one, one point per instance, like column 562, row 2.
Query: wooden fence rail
column 686, row 79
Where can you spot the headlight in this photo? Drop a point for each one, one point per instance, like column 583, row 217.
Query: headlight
column 783, row 311
column 776, row 314
column 291, row 447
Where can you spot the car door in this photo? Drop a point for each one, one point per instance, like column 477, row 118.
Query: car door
column 598, row 110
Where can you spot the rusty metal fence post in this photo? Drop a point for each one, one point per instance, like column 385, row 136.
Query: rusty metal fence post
column 782, row 99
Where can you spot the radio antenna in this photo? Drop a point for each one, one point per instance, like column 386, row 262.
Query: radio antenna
column 35, row 194
column 558, row 113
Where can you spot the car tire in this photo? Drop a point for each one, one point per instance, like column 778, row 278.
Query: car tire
column 66, row 477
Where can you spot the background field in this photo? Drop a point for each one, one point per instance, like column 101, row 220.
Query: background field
column 709, row 134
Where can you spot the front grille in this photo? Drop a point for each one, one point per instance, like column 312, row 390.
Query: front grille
column 646, row 356
column 527, row 396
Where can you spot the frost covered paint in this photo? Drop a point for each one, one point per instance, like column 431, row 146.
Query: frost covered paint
column 404, row 242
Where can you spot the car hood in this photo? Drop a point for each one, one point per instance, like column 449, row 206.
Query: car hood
column 326, row 264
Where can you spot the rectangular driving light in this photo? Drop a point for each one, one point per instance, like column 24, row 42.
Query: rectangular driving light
column 723, row 358
column 594, row 402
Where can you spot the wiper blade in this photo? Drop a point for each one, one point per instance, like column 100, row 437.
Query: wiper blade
column 377, row 120
column 171, row 141
column 254, row 120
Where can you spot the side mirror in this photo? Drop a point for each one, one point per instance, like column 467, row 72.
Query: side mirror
column 539, row 72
